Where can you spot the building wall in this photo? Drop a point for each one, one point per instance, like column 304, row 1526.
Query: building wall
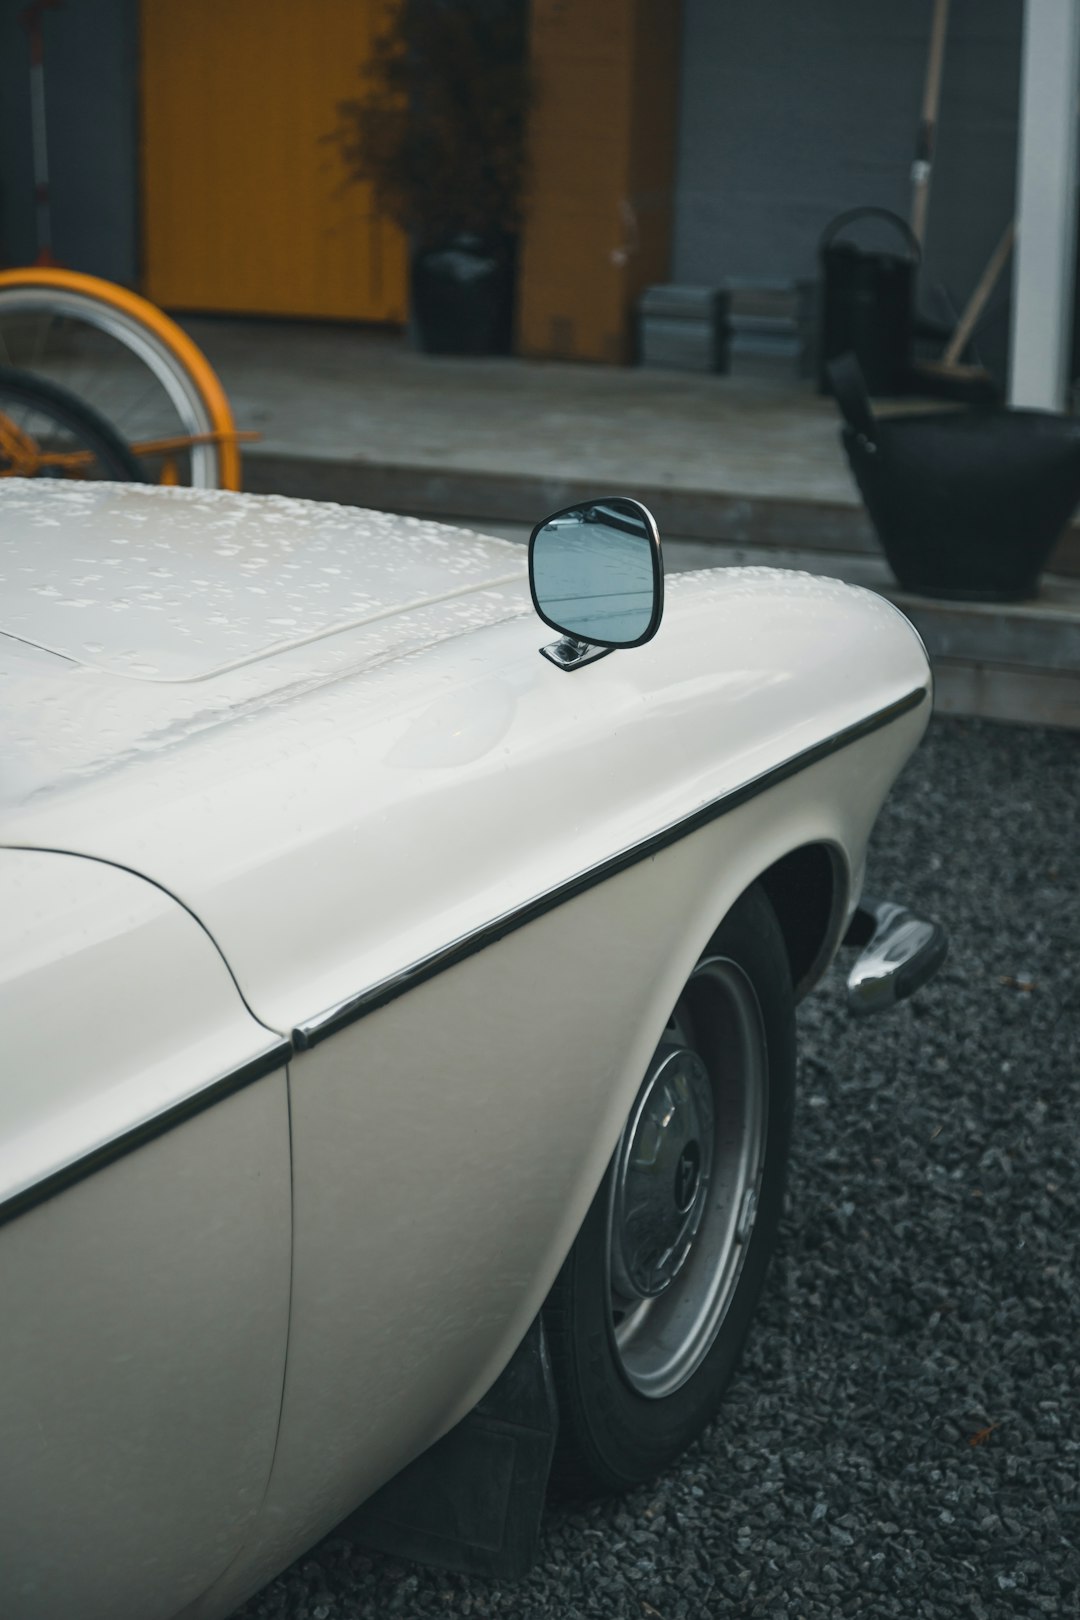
column 90, row 87
column 601, row 157
column 793, row 111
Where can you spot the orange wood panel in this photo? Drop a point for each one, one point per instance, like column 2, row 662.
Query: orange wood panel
column 602, row 165
column 245, row 204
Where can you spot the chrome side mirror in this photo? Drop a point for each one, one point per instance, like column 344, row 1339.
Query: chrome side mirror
column 597, row 576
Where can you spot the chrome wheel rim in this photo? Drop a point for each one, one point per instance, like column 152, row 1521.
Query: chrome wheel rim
column 686, row 1182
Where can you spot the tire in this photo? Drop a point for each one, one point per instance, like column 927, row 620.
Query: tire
column 643, row 1343
column 126, row 359
column 39, row 418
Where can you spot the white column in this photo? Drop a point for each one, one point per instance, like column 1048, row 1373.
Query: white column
column 1045, row 264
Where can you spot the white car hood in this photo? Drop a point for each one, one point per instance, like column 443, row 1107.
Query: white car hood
column 183, row 584
column 131, row 620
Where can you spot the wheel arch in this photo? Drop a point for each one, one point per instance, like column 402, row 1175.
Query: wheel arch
column 808, row 889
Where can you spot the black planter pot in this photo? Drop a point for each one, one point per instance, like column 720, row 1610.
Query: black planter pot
column 966, row 504
column 463, row 295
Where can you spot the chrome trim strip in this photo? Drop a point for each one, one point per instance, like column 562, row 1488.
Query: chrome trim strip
column 570, row 653
column 57, row 1181
column 316, row 1029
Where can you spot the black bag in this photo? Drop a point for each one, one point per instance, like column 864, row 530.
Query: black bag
column 867, row 304
column 966, row 503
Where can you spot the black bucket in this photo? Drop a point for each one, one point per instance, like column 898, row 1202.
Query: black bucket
column 967, row 503
column 867, row 304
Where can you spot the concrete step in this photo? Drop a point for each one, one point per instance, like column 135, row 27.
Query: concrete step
column 1016, row 661
column 785, row 521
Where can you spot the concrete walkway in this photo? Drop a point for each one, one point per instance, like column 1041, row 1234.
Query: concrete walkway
column 738, row 470
column 368, row 398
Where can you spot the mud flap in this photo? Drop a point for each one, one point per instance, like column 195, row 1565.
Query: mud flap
column 474, row 1501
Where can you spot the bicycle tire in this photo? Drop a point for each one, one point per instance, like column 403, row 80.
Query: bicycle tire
column 89, row 430
column 176, row 363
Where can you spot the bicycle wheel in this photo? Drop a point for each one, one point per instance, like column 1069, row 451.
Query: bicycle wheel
column 48, row 432
column 130, row 363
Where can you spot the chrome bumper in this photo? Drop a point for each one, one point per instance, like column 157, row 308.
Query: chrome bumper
column 899, row 951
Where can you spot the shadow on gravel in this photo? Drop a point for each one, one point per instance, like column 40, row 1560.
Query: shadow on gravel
column 903, row 1438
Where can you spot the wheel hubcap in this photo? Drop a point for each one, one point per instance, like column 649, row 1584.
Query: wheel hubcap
column 663, row 1175
column 687, row 1174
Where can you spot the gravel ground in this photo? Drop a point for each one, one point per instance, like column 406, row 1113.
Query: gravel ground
column 903, row 1438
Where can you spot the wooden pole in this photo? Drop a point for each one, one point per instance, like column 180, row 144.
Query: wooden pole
column 924, row 146
column 977, row 302
column 31, row 21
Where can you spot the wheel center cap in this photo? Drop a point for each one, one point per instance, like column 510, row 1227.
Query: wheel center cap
column 662, row 1175
column 687, row 1176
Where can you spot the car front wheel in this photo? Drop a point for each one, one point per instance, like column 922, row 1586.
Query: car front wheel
column 648, row 1316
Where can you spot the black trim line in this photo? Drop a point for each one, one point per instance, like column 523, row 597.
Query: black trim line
column 133, row 871
column 275, row 1057
column 24, row 641
column 314, row 1030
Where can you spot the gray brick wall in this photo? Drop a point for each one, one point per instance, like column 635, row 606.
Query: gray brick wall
column 90, row 76
column 793, row 110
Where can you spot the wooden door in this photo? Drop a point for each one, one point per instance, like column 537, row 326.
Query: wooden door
column 245, row 205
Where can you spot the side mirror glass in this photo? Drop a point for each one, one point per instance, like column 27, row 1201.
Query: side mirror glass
column 596, row 573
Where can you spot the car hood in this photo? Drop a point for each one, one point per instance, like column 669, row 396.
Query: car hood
column 131, row 619
column 180, row 585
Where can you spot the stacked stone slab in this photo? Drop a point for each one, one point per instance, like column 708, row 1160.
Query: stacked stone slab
column 750, row 328
column 770, row 329
column 683, row 328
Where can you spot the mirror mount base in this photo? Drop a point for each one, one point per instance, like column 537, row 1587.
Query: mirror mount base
column 570, row 653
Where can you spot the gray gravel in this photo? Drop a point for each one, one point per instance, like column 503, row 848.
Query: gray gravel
column 904, row 1435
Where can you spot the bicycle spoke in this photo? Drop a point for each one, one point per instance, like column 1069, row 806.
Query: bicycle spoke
column 118, row 418
column 101, row 370
column 45, row 327
column 48, row 432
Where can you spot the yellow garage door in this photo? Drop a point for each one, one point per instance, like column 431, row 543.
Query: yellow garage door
column 245, row 205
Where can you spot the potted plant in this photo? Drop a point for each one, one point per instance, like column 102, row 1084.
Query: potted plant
column 439, row 133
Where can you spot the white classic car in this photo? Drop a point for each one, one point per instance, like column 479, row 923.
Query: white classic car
column 398, row 1023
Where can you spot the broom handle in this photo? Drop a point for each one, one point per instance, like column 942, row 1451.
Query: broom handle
column 924, row 146
column 977, row 302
